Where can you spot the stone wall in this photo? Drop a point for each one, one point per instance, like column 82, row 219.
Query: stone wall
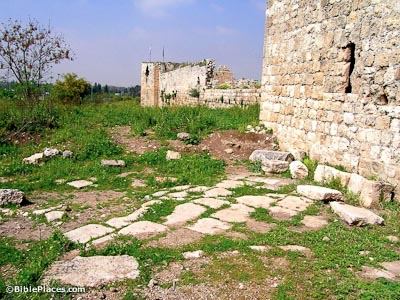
column 218, row 98
column 331, row 82
column 194, row 84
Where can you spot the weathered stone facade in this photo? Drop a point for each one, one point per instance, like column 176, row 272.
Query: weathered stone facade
column 331, row 82
column 193, row 84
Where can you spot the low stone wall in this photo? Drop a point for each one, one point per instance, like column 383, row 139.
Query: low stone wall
column 221, row 98
column 230, row 97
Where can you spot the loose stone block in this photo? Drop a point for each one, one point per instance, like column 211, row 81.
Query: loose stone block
column 34, row 159
column 370, row 192
column 80, row 184
column 54, row 215
column 113, row 163
column 274, row 166
column 355, row 215
column 325, row 174
column 319, row 193
column 172, row 155
column 194, row 254
column 11, row 196
column 261, row 155
column 298, row 170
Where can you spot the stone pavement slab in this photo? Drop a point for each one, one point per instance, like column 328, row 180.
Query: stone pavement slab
column 184, row 213
column 236, row 213
column 256, row 201
column 210, row 226
column 211, row 202
column 143, row 227
column 85, row 233
column 217, row 192
column 93, row 271
column 80, row 184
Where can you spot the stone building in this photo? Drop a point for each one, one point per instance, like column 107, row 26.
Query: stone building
column 331, row 82
column 192, row 84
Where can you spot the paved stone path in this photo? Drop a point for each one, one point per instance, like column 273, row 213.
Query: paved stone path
column 186, row 224
column 196, row 201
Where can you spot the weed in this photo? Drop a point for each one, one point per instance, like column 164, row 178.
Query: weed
column 311, row 166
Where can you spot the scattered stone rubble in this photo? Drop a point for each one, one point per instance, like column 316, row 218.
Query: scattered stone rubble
column 11, row 196
column 371, row 192
column 48, row 153
column 113, row 163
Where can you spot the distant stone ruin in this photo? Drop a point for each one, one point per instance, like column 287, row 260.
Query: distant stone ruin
column 331, row 82
column 168, row 83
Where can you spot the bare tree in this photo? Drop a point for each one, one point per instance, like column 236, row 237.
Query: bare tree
column 28, row 53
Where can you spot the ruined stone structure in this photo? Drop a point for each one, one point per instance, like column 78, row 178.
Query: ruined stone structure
column 193, row 84
column 331, row 82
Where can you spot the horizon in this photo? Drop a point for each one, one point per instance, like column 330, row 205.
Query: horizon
column 111, row 40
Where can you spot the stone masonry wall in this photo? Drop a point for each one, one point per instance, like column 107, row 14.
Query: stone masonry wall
column 175, row 83
column 331, row 82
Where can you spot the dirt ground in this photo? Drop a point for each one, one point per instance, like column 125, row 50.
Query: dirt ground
column 228, row 145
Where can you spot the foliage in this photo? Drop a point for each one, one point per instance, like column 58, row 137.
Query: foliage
column 195, row 93
column 28, row 52
column 30, row 263
column 72, row 89
column 224, row 86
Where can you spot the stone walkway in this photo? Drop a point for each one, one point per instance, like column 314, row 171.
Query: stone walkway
column 202, row 211
column 197, row 200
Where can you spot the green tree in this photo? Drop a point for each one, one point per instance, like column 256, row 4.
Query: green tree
column 28, row 53
column 72, row 89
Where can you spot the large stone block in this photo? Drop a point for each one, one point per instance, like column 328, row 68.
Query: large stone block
column 262, row 155
column 274, row 166
column 319, row 193
column 11, row 196
column 371, row 192
column 325, row 174
column 353, row 215
column 298, row 170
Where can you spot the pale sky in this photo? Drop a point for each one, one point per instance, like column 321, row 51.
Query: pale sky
column 111, row 38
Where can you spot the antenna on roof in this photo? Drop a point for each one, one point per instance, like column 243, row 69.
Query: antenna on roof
column 163, row 54
column 150, row 53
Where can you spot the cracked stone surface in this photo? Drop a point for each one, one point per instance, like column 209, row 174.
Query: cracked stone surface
column 85, row 233
column 211, row 202
column 217, row 192
column 210, row 226
column 143, row 228
column 256, row 201
column 93, row 271
column 120, row 222
column 294, row 203
column 184, row 213
column 236, row 213
column 230, row 184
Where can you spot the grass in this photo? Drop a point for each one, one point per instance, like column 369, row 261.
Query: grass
column 328, row 274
